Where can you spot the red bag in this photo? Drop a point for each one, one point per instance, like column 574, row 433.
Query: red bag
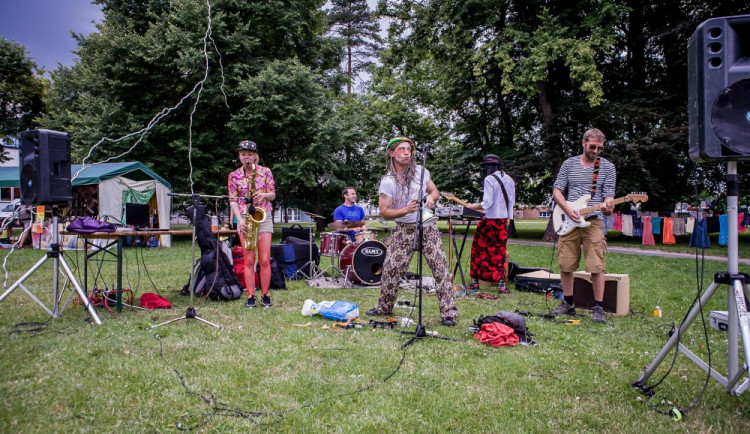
column 238, row 260
column 150, row 300
column 497, row 335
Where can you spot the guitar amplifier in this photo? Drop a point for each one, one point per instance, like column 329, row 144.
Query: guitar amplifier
column 616, row 292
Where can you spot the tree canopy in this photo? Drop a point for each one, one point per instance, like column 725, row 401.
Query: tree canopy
column 149, row 55
column 525, row 79
column 22, row 89
column 520, row 79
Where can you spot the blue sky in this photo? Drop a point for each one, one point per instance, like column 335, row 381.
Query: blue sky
column 44, row 26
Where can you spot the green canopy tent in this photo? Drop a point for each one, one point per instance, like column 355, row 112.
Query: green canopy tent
column 105, row 188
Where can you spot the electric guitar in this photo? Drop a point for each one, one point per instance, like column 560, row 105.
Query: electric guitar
column 450, row 196
column 563, row 224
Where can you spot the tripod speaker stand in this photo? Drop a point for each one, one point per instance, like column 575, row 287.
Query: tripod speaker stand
column 738, row 287
column 58, row 260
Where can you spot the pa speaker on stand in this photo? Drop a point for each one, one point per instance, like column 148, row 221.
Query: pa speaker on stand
column 719, row 90
column 45, row 168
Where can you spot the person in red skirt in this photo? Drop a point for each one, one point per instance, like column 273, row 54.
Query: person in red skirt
column 488, row 249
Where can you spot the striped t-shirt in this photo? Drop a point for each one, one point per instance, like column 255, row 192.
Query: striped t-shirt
column 576, row 179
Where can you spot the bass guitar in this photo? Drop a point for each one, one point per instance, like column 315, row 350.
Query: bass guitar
column 563, row 224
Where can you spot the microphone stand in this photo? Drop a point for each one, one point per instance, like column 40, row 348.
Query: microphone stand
column 190, row 312
column 420, row 331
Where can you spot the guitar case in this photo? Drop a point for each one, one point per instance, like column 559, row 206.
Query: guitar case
column 515, row 269
column 537, row 281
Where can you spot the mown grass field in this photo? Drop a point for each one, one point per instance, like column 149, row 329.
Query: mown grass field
column 274, row 369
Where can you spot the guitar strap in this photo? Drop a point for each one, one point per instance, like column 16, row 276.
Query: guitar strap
column 505, row 195
column 594, row 177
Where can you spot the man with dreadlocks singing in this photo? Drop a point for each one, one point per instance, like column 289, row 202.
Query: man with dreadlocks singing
column 398, row 194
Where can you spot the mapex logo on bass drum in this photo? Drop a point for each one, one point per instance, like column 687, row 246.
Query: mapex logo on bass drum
column 372, row 251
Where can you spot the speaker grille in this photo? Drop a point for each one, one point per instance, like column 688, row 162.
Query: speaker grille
column 29, row 182
column 718, row 74
column 730, row 117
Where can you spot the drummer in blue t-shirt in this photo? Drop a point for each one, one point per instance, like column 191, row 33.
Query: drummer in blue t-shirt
column 349, row 212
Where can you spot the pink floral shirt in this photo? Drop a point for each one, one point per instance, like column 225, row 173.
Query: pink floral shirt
column 239, row 186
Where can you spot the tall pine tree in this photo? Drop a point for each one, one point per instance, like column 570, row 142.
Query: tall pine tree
column 353, row 21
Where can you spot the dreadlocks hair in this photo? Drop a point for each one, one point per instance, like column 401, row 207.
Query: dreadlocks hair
column 408, row 174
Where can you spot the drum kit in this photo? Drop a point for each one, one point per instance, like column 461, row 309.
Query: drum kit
column 359, row 261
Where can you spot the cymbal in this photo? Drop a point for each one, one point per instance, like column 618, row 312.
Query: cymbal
column 312, row 215
column 344, row 225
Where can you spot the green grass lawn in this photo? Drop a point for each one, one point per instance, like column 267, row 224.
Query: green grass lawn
column 286, row 372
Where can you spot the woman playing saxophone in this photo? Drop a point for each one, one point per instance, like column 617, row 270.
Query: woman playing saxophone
column 252, row 187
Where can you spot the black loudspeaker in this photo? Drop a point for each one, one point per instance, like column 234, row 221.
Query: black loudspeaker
column 719, row 90
column 45, row 167
column 136, row 214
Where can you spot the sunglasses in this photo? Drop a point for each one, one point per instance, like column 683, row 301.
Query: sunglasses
column 596, row 148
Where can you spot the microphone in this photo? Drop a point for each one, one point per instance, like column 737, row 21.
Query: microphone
column 426, row 150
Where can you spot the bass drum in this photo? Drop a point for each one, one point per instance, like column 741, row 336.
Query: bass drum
column 363, row 262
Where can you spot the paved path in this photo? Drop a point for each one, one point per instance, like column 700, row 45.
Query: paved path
column 627, row 251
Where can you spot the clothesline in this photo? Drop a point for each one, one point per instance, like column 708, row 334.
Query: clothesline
column 647, row 225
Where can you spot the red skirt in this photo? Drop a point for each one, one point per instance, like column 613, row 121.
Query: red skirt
column 488, row 250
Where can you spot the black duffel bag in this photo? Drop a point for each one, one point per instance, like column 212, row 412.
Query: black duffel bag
column 294, row 257
column 296, row 230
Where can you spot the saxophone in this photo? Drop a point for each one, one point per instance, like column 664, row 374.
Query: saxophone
column 253, row 217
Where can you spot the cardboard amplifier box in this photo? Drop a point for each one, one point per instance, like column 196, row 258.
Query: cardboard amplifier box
column 616, row 292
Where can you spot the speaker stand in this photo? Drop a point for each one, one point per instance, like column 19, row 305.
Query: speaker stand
column 738, row 326
column 58, row 260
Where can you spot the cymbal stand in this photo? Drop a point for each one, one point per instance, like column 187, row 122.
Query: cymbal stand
column 190, row 312
column 312, row 267
column 335, row 266
column 56, row 254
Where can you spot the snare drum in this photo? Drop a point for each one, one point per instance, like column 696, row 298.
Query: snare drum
column 332, row 243
column 363, row 236
column 363, row 262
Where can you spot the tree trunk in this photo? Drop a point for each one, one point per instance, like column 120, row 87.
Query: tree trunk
column 349, row 69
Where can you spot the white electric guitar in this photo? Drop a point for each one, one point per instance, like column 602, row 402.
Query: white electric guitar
column 563, row 224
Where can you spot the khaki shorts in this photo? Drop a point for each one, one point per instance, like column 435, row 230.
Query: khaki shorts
column 594, row 248
column 267, row 226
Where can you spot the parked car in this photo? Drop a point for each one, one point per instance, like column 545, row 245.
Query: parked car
column 8, row 209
